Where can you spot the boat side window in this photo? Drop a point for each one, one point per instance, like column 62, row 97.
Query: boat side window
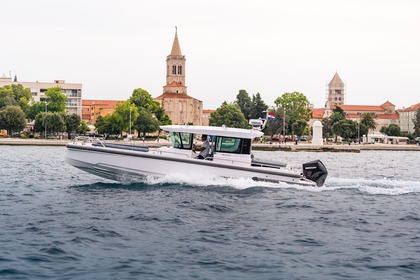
column 181, row 140
column 233, row 145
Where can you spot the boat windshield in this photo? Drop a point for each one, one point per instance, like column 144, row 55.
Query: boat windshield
column 181, row 140
column 233, row 145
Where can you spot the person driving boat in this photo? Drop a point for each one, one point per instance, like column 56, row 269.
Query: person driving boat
column 204, row 149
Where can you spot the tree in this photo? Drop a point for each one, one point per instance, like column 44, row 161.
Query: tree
column 142, row 99
column 337, row 116
column 244, row 103
column 56, row 100
column 163, row 119
column 362, row 130
column 83, row 128
column 39, row 125
column 384, row 129
column 12, row 118
column 416, row 121
column 35, row 109
column 126, row 113
column 105, row 125
column 72, row 123
column 368, row 119
column 276, row 126
column 55, row 122
column 391, row 130
column 229, row 115
column 51, row 122
column 299, row 127
column 345, row 128
column 146, row 122
column 258, row 106
column 7, row 97
column 22, row 96
column 15, row 95
column 296, row 105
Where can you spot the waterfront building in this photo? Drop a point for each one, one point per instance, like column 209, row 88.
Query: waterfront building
column 380, row 138
column 73, row 91
column 385, row 114
column 180, row 107
column 206, row 116
column 406, row 118
column 92, row 109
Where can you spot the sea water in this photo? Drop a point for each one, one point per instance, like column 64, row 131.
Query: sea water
column 57, row 222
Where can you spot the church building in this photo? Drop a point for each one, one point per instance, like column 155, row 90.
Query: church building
column 180, row 107
column 385, row 114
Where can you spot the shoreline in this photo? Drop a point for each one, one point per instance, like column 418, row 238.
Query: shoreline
column 301, row 147
column 354, row 148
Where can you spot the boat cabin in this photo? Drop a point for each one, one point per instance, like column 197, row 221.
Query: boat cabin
column 218, row 144
column 226, row 144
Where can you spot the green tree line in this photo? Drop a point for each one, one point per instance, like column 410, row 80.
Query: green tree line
column 139, row 113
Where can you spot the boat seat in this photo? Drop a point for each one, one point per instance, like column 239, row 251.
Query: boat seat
column 272, row 164
column 122, row 146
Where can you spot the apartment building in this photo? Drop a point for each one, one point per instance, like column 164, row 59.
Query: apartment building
column 73, row 91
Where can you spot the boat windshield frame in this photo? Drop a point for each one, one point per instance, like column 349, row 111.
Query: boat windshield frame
column 181, row 140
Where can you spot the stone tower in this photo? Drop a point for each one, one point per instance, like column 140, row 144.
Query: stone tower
column 335, row 94
column 175, row 70
column 180, row 107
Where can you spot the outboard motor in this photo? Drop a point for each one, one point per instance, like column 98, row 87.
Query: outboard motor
column 315, row 171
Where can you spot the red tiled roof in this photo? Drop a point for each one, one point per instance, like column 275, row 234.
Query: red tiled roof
column 387, row 103
column 317, row 113
column 174, row 96
column 389, row 116
column 175, row 84
column 104, row 103
column 414, row 107
column 369, row 108
column 378, row 116
column 208, row 111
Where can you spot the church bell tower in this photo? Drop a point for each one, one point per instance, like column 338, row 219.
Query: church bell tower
column 175, row 70
column 335, row 92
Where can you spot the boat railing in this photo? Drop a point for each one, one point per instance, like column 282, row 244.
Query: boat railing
column 85, row 139
column 121, row 146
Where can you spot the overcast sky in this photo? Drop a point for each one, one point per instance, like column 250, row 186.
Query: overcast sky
column 270, row 47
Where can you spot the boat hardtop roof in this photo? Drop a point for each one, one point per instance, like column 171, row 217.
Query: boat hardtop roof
column 214, row 131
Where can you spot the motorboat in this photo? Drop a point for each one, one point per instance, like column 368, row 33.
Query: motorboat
column 230, row 156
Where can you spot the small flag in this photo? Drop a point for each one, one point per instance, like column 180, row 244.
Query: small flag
column 271, row 117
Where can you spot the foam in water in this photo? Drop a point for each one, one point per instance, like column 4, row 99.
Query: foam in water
column 380, row 186
column 199, row 180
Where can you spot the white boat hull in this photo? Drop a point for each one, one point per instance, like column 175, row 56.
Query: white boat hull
column 129, row 165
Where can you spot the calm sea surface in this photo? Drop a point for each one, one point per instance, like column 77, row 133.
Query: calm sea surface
column 57, row 222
